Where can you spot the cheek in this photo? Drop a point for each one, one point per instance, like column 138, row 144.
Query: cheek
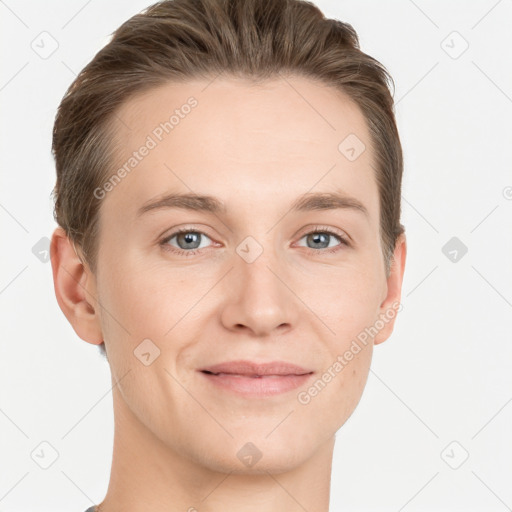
column 353, row 380
column 346, row 299
column 331, row 399
column 147, row 300
column 348, row 304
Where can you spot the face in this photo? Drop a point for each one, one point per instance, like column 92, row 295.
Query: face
column 269, row 267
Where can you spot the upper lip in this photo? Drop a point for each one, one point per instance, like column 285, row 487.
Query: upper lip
column 252, row 368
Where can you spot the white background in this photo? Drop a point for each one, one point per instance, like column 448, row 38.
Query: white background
column 444, row 375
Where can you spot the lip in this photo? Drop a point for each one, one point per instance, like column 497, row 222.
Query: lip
column 256, row 380
column 250, row 368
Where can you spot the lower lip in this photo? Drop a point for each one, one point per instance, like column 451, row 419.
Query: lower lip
column 258, row 387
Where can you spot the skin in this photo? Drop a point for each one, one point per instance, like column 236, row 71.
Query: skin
column 257, row 148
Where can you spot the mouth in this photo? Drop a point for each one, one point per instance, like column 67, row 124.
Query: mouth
column 256, row 380
column 252, row 368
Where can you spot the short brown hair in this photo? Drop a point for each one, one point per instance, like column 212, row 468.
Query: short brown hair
column 178, row 40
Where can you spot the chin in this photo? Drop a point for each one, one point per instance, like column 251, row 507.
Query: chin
column 256, row 454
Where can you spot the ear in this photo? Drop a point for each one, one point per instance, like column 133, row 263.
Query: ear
column 75, row 288
column 391, row 304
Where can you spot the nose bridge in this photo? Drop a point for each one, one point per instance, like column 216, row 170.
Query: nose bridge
column 259, row 275
column 258, row 298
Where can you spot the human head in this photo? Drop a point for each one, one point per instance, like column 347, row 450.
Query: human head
column 239, row 52
column 181, row 40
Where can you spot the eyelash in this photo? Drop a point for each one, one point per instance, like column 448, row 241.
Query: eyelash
column 318, row 229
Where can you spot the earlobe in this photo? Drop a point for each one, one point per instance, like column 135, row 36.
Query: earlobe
column 75, row 288
column 391, row 304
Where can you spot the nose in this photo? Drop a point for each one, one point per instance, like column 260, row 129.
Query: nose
column 258, row 299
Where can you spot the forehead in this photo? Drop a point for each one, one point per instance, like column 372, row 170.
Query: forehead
column 242, row 142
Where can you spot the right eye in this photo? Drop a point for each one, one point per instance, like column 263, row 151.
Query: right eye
column 188, row 241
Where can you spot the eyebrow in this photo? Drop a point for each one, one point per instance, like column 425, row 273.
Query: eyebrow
column 211, row 204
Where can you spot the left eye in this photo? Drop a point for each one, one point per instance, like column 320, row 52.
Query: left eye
column 322, row 240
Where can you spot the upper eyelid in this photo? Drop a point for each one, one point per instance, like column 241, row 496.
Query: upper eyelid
column 321, row 229
column 185, row 230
